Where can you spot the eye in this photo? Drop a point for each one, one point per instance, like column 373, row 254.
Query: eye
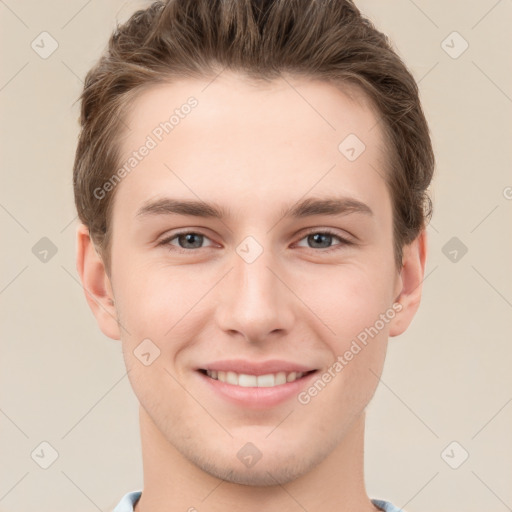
column 186, row 240
column 323, row 240
column 189, row 240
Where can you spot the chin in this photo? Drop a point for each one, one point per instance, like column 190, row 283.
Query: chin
column 278, row 469
column 262, row 477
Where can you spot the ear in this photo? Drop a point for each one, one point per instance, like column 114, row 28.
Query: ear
column 96, row 284
column 409, row 283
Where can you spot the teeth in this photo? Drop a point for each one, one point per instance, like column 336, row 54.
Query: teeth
column 246, row 381
column 266, row 381
column 280, row 378
column 231, row 378
column 252, row 381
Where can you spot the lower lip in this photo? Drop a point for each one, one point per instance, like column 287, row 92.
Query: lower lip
column 255, row 397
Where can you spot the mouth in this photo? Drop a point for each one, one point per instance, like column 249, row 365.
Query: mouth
column 245, row 380
column 259, row 387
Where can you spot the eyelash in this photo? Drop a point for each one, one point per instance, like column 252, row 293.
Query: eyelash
column 343, row 241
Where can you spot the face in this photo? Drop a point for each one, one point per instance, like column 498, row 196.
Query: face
column 255, row 321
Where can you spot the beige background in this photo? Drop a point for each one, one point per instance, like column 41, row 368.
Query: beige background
column 446, row 379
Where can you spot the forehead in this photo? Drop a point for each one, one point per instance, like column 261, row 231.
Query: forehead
column 231, row 139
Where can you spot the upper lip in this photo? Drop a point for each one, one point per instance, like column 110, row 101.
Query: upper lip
column 256, row 368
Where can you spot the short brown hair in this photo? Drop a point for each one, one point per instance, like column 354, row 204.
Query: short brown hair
column 264, row 39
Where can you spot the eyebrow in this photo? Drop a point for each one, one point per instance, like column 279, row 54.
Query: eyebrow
column 305, row 208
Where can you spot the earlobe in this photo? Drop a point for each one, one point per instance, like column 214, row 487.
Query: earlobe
column 411, row 283
column 96, row 284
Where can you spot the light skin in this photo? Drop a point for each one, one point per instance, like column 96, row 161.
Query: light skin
column 255, row 150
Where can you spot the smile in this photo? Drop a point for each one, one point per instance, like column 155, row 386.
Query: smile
column 254, row 381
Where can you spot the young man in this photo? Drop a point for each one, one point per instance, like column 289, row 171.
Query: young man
column 251, row 182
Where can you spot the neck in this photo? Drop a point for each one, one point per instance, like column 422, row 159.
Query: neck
column 172, row 483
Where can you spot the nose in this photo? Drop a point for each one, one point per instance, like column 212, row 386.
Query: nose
column 254, row 300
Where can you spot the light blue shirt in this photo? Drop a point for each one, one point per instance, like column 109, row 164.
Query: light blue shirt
column 128, row 501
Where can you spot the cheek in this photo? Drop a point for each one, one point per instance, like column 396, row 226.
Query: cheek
column 157, row 301
column 153, row 307
column 354, row 299
column 357, row 299
column 154, row 299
